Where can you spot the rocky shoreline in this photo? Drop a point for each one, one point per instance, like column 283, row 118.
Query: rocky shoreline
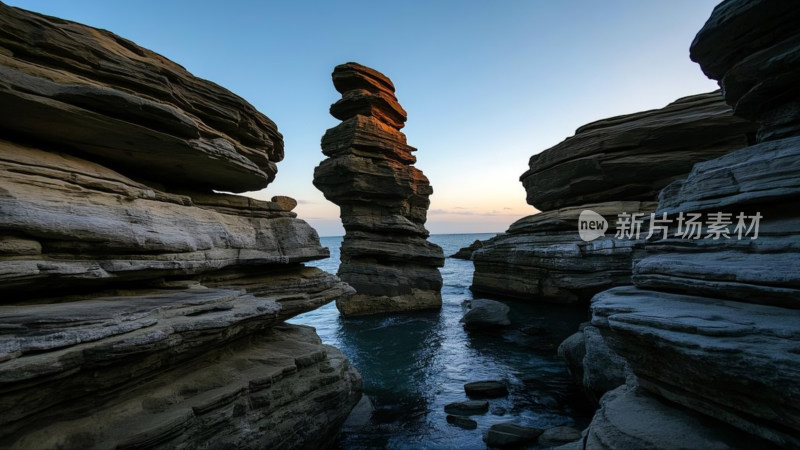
column 145, row 304
column 696, row 346
column 140, row 307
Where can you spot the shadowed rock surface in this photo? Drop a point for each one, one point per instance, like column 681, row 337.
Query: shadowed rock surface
column 610, row 166
column 486, row 314
column 711, row 326
column 466, row 252
column 139, row 307
column 383, row 199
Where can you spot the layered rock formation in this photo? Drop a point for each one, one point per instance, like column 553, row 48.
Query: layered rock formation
column 383, row 199
column 139, row 307
column 712, row 324
column 612, row 166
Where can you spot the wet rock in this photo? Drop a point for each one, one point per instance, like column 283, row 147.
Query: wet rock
column 498, row 411
column 510, row 435
column 486, row 389
column 486, row 314
column 466, row 252
column 383, row 199
column 558, row 436
column 467, row 408
column 462, row 422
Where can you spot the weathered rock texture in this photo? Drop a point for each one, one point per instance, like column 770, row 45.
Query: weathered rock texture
column 611, row 166
column 138, row 307
column 713, row 325
column 383, row 199
column 632, row 157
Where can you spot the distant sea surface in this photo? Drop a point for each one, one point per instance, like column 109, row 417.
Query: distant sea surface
column 415, row 363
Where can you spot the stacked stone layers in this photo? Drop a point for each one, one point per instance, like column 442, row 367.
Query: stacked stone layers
column 611, row 166
column 383, row 199
column 713, row 325
column 138, row 307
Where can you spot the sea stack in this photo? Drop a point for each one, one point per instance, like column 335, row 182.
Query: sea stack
column 383, row 199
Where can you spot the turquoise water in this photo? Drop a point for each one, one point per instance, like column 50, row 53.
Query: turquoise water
column 413, row 364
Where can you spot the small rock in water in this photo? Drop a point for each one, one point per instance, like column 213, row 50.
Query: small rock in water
column 510, row 434
column 466, row 252
column 486, row 314
column 467, row 408
column 486, row 389
column 498, row 411
column 462, row 422
column 559, row 435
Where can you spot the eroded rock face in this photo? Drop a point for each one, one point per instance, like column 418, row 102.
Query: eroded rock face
column 633, row 157
column 542, row 258
column 383, row 199
column 609, row 167
column 94, row 93
column 139, row 307
column 722, row 315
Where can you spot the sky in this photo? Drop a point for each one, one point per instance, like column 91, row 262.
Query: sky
column 486, row 84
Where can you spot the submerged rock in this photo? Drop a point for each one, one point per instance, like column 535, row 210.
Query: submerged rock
column 462, row 422
column 383, row 199
column 467, row 408
column 486, row 389
column 510, row 435
column 486, row 314
column 558, row 436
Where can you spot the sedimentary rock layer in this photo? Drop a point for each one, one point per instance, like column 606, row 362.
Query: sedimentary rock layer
column 610, row 167
column 92, row 92
column 713, row 323
column 541, row 256
column 140, row 308
column 632, row 157
column 383, row 199
column 632, row 419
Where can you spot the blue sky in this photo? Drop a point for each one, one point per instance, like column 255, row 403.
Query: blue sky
column 485, row 84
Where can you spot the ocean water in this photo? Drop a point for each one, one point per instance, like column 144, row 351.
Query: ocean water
column 415, row 363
